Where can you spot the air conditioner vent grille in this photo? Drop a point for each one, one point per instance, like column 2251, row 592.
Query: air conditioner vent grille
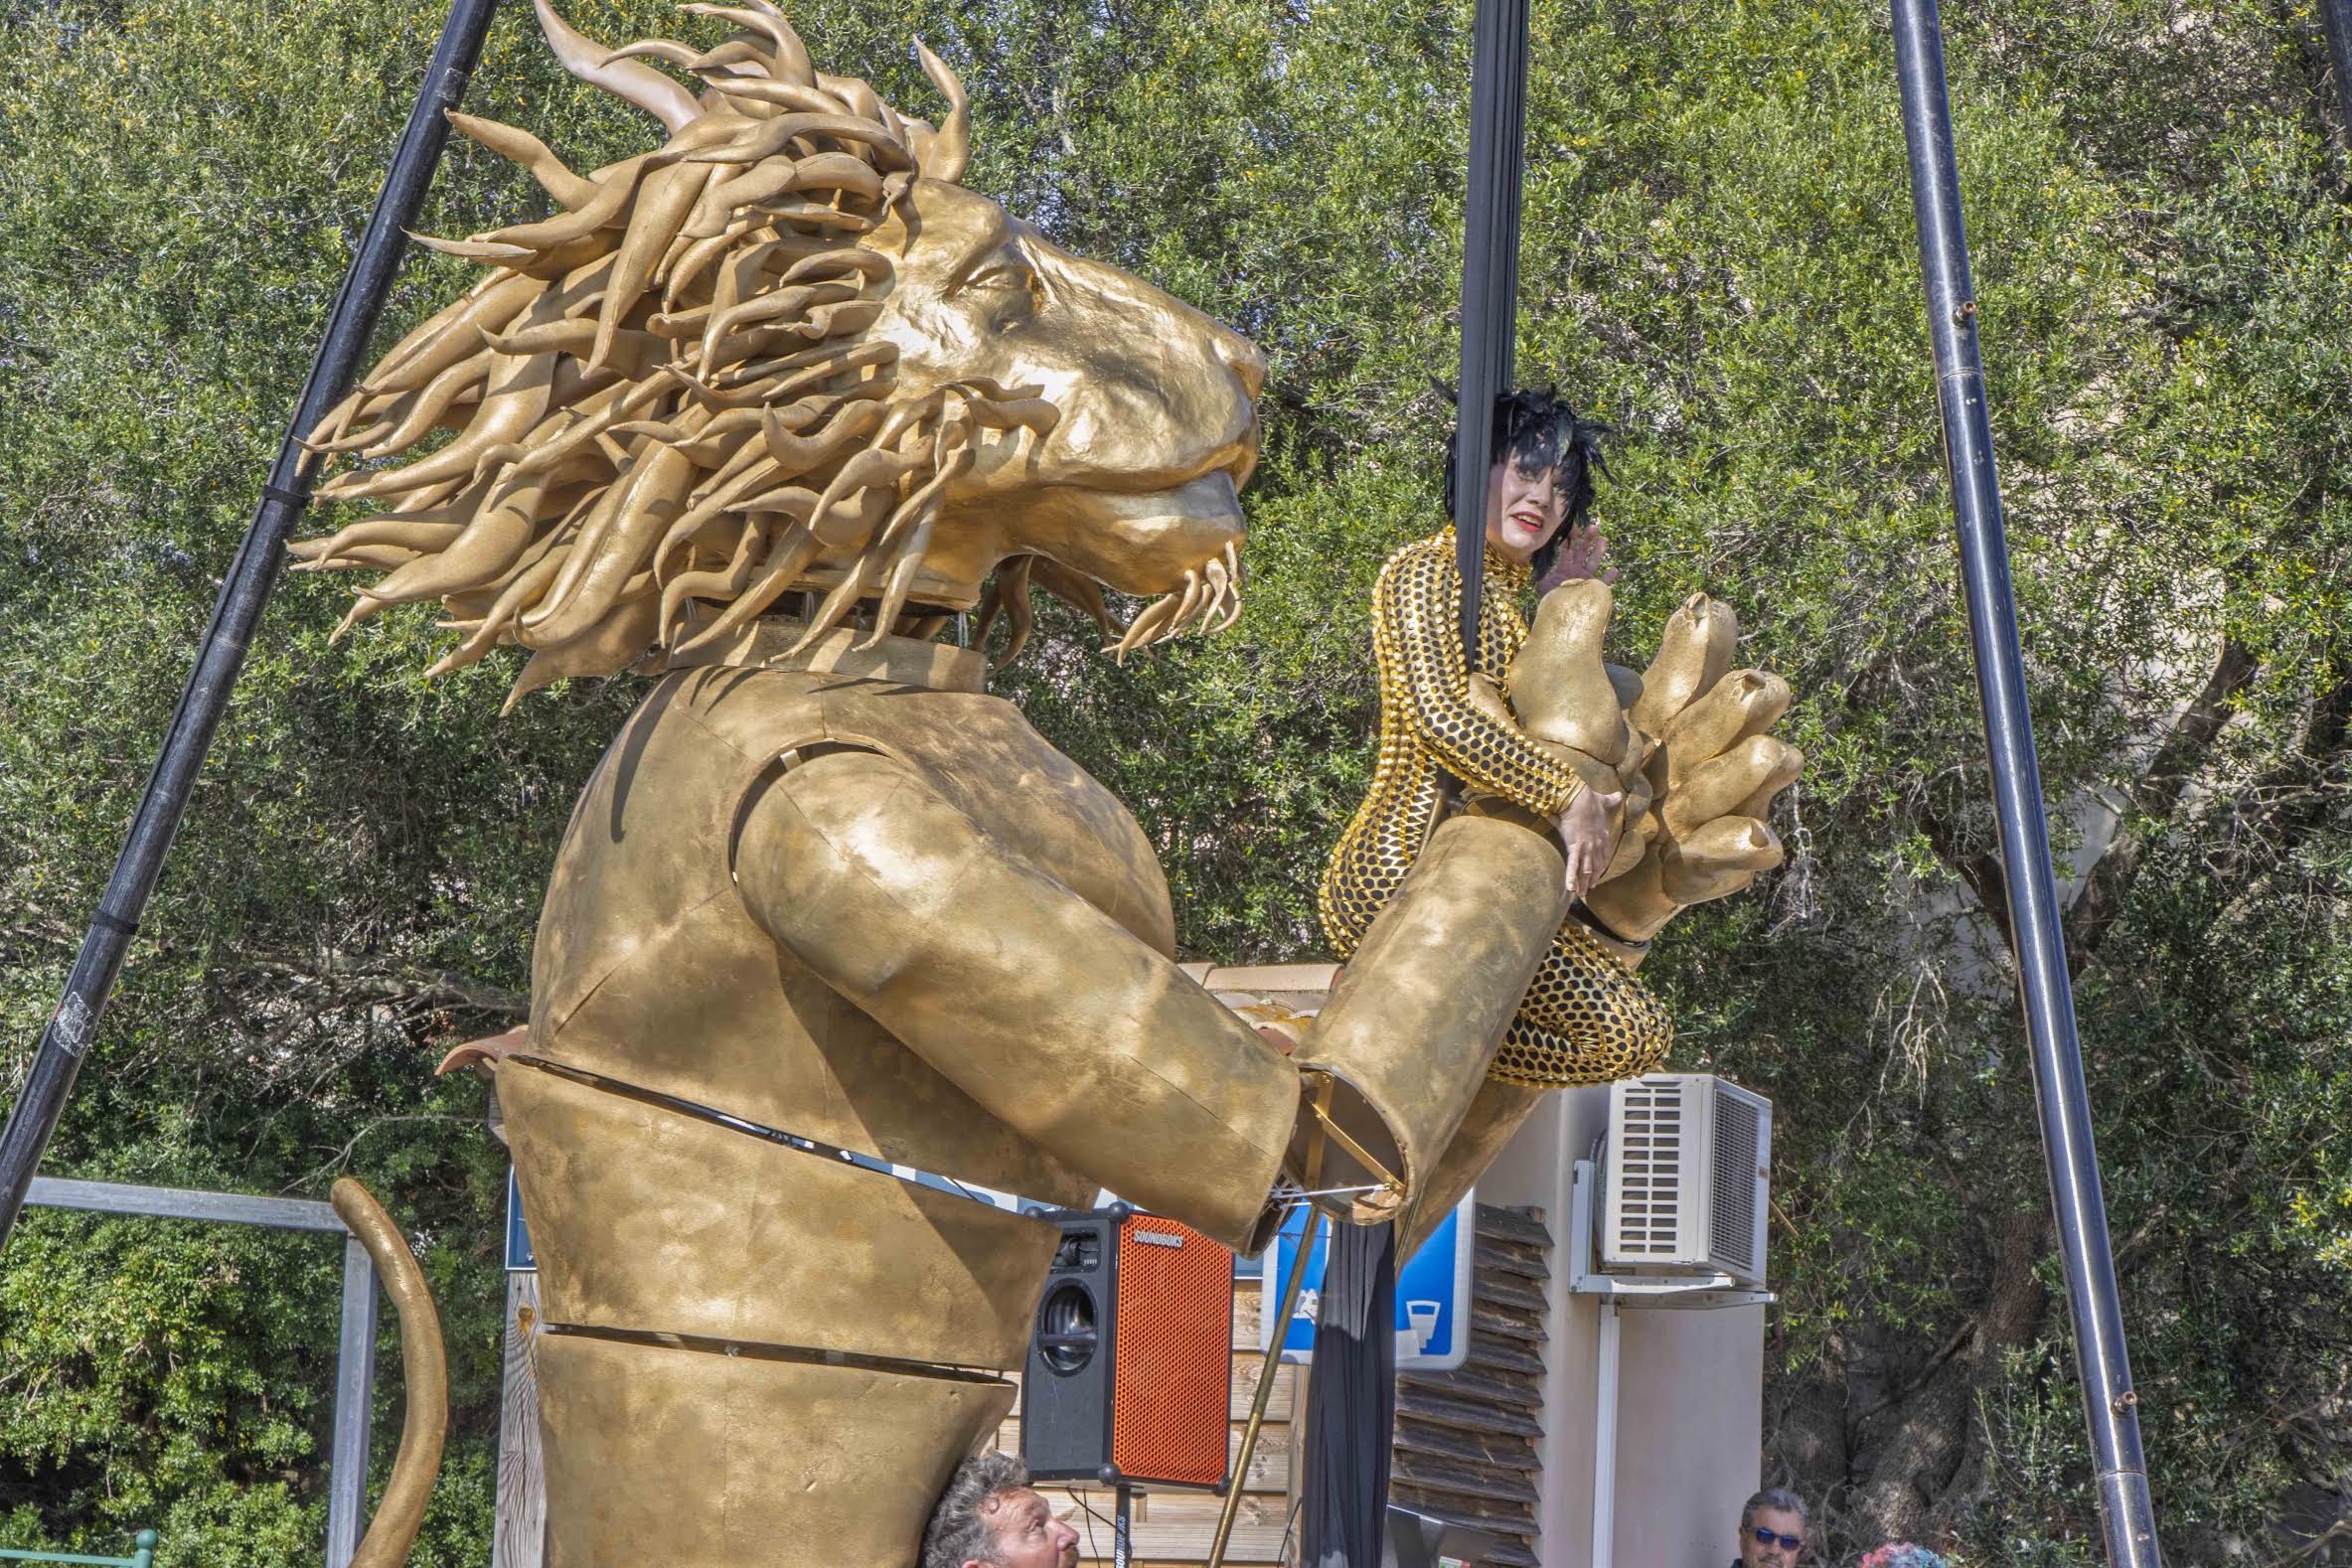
column 1738, row 1128
column 1649, row 1165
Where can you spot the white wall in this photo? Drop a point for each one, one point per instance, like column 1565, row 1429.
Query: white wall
column 1691, row 1407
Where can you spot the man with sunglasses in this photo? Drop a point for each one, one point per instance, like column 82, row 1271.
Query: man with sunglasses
column 1772, row 1529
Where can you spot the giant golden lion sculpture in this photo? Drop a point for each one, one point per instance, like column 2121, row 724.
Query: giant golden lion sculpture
column 753, row 415
column 784, row 352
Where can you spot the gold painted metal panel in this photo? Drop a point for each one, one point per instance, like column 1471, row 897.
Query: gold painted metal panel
column 1419, row 1013
column 1035, row 1004
column 674, row 1457
column 705, row 1230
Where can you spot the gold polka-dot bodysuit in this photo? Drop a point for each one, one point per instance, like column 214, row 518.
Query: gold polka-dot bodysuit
column 1585, row 1019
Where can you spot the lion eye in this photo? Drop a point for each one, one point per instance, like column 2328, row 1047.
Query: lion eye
column 1012, row 283
column 1006, row 275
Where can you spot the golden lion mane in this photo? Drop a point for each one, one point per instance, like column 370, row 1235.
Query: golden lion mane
column 665, row 410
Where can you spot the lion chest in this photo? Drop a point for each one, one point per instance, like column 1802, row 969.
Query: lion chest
column 649, row 968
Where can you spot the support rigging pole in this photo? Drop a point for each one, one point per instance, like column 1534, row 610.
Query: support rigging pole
column 2335, row 18
column 244, row 590
column 2056, row 1054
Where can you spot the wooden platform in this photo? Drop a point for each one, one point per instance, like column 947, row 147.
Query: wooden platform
column 1465, row 1440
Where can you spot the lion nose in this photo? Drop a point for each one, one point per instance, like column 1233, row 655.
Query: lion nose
column 1243, row 358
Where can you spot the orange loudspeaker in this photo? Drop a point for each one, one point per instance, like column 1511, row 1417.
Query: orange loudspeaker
column 1130, row 1378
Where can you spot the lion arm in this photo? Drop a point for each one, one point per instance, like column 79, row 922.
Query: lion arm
column 1048, row 1012
column 1062, row 1023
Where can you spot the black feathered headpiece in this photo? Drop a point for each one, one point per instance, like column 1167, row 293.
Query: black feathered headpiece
column 1535, row 428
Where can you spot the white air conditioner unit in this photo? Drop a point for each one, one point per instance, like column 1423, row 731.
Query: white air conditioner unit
column 1688, row 1178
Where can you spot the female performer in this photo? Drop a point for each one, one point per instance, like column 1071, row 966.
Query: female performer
column 1585, row 1019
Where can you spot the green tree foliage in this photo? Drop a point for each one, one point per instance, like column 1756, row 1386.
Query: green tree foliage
column 1718, row 260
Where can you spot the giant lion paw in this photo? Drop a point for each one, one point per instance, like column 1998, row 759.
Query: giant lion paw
column 1686, row 742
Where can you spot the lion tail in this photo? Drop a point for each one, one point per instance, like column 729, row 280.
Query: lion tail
column 425, row 1425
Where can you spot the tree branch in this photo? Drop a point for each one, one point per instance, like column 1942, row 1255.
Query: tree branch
column 2294, row 797
column 2157, row 800
column 340, row 982
column 1980, row 869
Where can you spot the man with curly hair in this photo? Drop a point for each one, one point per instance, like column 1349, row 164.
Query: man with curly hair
column 989, row 1517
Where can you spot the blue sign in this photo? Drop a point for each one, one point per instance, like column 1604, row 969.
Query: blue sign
column 1432, row 1293
column 520, row 1259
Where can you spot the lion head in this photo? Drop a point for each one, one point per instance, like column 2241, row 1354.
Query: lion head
column 785, row 352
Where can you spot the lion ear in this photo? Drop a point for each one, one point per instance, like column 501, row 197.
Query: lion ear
column 943, row 153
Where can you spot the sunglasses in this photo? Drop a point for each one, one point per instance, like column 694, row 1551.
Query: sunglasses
column 1786, row 1543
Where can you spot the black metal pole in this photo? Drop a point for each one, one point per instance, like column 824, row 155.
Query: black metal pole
column 2336, row 18
column 1490, row 278
column 2055, row 1053
column 1344, row 1496
column 244, row 592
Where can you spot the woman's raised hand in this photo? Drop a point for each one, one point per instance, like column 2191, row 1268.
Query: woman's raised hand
column 1584, row 834
column 1580, row 556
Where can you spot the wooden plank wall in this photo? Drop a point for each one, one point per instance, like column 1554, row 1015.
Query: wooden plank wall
column 1172, row 1528
column 1465, row 1440
column 518, row 1531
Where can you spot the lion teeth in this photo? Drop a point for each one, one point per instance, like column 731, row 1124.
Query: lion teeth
column 1208, row 603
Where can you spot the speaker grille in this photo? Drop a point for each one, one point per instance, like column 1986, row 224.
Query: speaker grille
column 1172, row 1363
column 1065, row 1387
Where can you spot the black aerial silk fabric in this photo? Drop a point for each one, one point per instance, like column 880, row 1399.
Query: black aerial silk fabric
column 1352, row 1391
column 1350, row 1402
column 1489, row 275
